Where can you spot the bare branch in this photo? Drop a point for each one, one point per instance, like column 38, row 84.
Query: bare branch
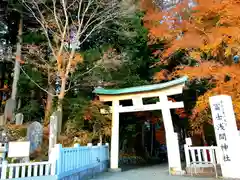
column 63, row 34
column 42, row 22
column 56, row 17
column 83, row 74
column 102, row 16
column 72, row 4
column 85, row 16
column 93, row 29
column 35, row 82
column 80, row 22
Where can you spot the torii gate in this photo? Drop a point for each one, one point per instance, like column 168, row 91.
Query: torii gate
column 136, row 94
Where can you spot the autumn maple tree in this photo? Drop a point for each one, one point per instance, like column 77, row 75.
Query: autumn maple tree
column 208, row 33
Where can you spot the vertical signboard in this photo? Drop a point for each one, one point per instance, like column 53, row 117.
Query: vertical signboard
column 226, row 134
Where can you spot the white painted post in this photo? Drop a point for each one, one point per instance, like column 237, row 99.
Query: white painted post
column 4, row 170
column 226, row 135
column 187, row 157
column 58, row 160
column 188, row 141
column 53, row 156
column 52, row 133
column 212, row 155
column 115, row 137
column 137, row 101
column 174, row 160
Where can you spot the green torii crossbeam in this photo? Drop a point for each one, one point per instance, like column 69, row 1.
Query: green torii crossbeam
column 144, row 88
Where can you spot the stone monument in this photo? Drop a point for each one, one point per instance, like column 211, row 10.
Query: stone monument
column 9, row 109
column 2, row 120
column 58, row 114
column 19, row 119
column 227, row 135
column 35, row 135
column 52, row 133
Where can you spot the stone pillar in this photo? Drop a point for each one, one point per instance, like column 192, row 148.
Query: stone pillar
column 227, row 136
column 114, row 153
column 174, row 160
column 52, row 133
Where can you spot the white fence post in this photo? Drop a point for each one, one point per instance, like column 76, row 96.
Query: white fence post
column 53, row 156
column 187, row 157
column 4, row 170
column 212, row 155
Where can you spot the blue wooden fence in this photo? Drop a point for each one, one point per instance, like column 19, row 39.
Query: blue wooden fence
column 81, row 162
column 76, row 163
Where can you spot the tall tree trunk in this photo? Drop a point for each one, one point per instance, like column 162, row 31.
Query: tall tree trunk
column 16, row 67
column 60, row 102
column 17, row 60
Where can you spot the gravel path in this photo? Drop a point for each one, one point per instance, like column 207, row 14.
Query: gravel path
column 159, row 172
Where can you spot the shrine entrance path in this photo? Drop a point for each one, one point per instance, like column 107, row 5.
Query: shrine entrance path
column 147, row 173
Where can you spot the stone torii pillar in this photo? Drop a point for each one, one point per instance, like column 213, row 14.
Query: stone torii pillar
column 114, row 154
column 136, row 94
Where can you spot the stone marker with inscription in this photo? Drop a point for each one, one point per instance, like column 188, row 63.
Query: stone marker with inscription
column 52, row 133
column 2, row 120
column 35, row 135
column 9, row 109
column 19, row 118
column 226, row 134
column 58, row 114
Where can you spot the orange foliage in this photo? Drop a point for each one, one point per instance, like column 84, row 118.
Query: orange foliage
column 147, row 5
column 63, row 59
column 93, row 107
column 216, row 73
column 212, row 26
column 162, row 75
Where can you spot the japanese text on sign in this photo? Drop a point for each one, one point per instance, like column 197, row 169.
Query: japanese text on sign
column 220, row 128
